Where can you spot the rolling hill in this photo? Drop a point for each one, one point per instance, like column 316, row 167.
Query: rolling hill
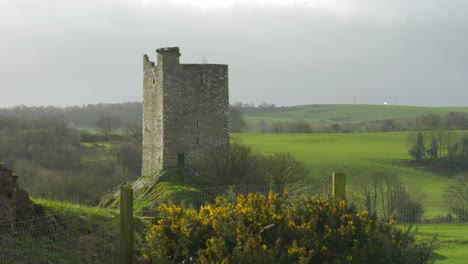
column 331, row 114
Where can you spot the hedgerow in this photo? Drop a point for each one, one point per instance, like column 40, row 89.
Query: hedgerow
column 278, row 229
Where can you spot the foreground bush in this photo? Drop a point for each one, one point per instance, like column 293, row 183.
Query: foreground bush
column 273, row 229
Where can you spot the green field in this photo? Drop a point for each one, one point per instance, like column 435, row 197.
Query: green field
column 359, row 153
column 104, row 145
column 330, row 114
column 62, row 233
column 451, row 243
column 356, row 154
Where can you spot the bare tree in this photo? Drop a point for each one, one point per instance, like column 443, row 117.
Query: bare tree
column 456, row 120
column 385, row 195
column 277, row 127
column 237, row 165
column 128, row 155
column 134, row 132
column 417, row 149
column 282, row 169
column 237, row 123
column 106, row 125
column 367, row 191
column 456, row 195
column 451, row 143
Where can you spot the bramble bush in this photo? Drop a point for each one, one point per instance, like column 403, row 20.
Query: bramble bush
column 278, row 229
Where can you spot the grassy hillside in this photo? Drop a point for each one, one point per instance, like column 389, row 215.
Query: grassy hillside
column 355, row 154
column 451, row 241
column 66, row 233
column 344, row 113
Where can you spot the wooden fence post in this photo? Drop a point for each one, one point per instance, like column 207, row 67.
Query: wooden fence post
column 126, row 225
column 339, row 185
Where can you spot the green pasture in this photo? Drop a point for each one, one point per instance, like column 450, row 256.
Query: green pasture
column 104, row 145
column 94, row 130
column 451, row 243
column 356, row 154
column 68, row 210
column 96, row 151
column 330, row 114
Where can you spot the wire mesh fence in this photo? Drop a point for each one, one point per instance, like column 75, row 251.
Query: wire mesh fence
column 399, row 208
column 408, row 215
column 55, row 240
column 203, row 196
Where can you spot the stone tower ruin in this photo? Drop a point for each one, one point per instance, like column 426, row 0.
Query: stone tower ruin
column 185, row 110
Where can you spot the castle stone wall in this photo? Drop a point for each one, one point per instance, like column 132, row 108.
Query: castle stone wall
column 152, row 118
column 185, row 110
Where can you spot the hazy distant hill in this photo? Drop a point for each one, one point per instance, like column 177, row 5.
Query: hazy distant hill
column 81, row 116
column 131, row 113
column 344, row 113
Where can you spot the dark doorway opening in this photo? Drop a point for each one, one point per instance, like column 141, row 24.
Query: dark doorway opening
column 181, row 163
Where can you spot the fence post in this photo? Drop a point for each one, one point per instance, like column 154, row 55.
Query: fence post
column 126, row 225
column 339, row 185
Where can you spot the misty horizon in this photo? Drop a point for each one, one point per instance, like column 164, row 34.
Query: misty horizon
column 280, row 52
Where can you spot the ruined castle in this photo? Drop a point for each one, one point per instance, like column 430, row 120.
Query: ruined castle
column 185, row 110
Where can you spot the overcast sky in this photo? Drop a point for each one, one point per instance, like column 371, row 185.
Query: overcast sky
column 287, row 52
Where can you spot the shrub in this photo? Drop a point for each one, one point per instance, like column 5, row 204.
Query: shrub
column 385, row 195
column 282, row 169
column 128, row 156
column 237, row 165
column 277, row 229
column 456, row 196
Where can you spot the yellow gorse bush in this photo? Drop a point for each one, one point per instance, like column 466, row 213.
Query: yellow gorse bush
column 276, row 229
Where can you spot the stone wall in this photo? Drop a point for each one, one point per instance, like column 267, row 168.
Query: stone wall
column 185, row 110
column 7, row 196
column 15, row 204
column 152, row 118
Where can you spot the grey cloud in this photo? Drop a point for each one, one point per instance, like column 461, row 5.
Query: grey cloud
column 57, row 53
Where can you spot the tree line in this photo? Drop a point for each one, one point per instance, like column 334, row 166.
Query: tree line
column 86, row 116
column 442, row 142
column 455, row 121
column 440, row 139
column 79, row 116
column 57, row 161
